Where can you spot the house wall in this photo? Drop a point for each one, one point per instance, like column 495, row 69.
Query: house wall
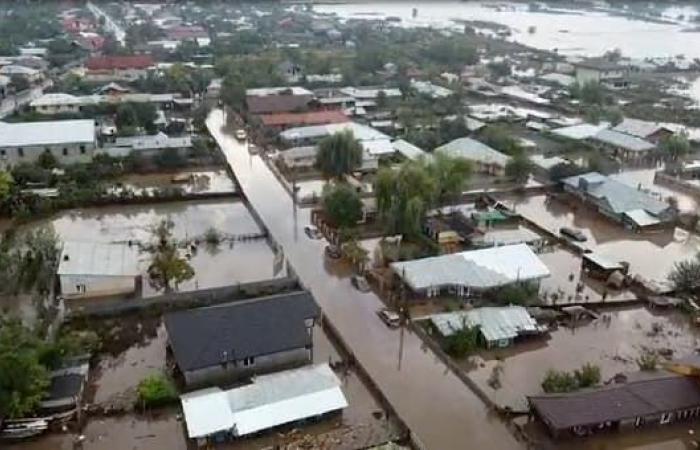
column 232, row 371
column 86, row 286
column 57, row 109
column 69, row 153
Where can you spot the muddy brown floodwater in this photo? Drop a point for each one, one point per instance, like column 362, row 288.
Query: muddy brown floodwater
column 440, row 410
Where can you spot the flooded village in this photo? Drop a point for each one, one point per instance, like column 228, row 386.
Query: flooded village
column 382, row 225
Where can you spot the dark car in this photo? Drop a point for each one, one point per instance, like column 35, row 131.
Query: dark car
column 360, row 283
column 333, row 252
column 312, row 232
column 572, row 233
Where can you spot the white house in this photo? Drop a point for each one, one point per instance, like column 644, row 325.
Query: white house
column 611, row 74
column 70, row 141
column 90, row 269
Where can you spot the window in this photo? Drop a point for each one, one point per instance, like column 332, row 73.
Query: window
column 80, row 288
column 248, row 361
column 666, row 418
column 65, row 151
column 20, row 152
column 82, row 149
column 3, row 152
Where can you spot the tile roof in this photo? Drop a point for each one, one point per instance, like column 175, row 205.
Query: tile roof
column 206, row 336
column 304, row 118
column 120, row 62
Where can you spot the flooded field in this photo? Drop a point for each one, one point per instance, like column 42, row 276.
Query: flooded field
column 650, row 255
column 614, row 345
column 568, row 31
column 191, row 182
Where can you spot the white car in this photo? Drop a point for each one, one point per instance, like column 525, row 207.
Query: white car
column 241, row 135
column 389, row 317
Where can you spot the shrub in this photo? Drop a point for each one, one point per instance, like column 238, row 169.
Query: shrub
column 156, row 390
column 648, row 360
column 462, row 342
column 588, row 375
column 556, row 381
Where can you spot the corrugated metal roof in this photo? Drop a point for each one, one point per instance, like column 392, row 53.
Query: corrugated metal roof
column 407, row 149
column 495, row 323
column 581, row 131
column 270, row 401
column 639, row 128
column 480, row 269
column 622, row 140
column 97, row 259
column 30, row 134
column 473, row 150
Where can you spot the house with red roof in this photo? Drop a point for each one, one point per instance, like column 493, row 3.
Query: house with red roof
column 282, row 121
column 114, row 68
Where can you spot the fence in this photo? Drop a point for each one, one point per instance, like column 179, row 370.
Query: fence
column 180, row 300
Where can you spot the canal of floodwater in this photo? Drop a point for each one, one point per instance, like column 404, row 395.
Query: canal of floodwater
column 434, row 403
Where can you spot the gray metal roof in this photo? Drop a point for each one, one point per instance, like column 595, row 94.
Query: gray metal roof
column 98, row 259
column 622, row 140
column 57, row 132
column 407, row 149
column 207, row 336
column 473, row 150
column 639, row 128
column 580, row 131
column 495, row 323
column 621, row 197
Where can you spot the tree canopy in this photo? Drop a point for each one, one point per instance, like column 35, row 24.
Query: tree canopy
column 338, row 155
column 342, row 205
column 167, row 265
column 519, row 167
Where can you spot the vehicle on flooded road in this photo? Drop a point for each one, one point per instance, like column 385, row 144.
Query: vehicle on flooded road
column 312, row 232
column 572, row 233
column 333, row 251
column 389, row 317
column 360, row 283
column 241, row 134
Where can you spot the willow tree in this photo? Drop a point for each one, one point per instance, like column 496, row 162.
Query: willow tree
column 338, row 155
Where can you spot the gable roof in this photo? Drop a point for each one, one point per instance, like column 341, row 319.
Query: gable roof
column 304, row 118
column 620, row 197
column 54, row 132
column 480, row 269
column 120, row 62
column 473, row 150
column 206, row 336
column 639, row 128
column 494, row 322
column 622, row 140
column 277, row 103
column 618, row 402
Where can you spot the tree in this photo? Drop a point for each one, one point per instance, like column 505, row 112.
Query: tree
column 451, row 176
column 6, row 183
column 587, row 376
column 233, row 91
column 685, row 276
column 648, row 360
column 564, row 170
column 47, row 160
column 341, row 205
column 338, row 155
column 675, row 146
column 20, row 83
column 462, row 342
column 156, row 390
column 23, row 379
column 556, row 381
column 519, row 167
column 167, row 266
column 500, row 138
column 500, row 69
column 589, row 92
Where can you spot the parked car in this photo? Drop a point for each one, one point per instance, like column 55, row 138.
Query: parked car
column 390, row 318
column 241, row 135
column 360, row 283
column 312, row 232
column 333, row 251
column 572, row 233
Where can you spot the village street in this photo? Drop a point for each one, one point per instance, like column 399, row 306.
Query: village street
column 434, row 403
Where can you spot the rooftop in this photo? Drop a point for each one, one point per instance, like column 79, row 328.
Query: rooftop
column 98, row 259
column 473, row 150
column 496, row 323
column 373, row 141
column 55, row 132
column 622, row 140
column 303, row 118
column 581, row 131
column 206, row 336
column 407, row 149
column 639, row 128
column 270, row 401
column 633, row 399
column 369, row 93
column 480, row 269
column 120, row 62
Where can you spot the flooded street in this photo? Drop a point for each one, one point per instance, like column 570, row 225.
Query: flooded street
column 440, row 410
column 570, row 32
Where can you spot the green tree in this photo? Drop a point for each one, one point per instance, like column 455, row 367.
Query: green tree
column 167, row 266
column 23, row 379
column 564, row 170
column 47, row 160
column 6, row 183
column 685, row 276
column 20, row 83
column 500, row 69
column 498, row 137
column 558, row 382
column 342, row 205
column 462, row 342
column 519, row 167
column 156, row 390
column 451, row 176
column 339, row 155
column 233, row 91
column 675, row 146
column 587, row 376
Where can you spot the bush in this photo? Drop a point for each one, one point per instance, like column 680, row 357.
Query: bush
column 648, row 361
column 156, row 390
column 462, row 342
column 588, row 375
column 556, row 381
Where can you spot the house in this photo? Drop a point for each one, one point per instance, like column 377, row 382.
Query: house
column 4, row 83
column 660, row 399
column 291, row 72
column 433, row 91
column 623, row 145
column 268, row 402
column 653, row 132
column 59, row 103
column 149, row 145
column 499, row 326
column 282, row 121
column 580, row 132
column 486, row 159
column 70, row 141
column 620, row 202
column 408, row 150
column 440, row 232
column 15, row 70
column 91, row 269
column 472, row 272
column 244, row 338
column 507, row 236
column 278, row 100
column 374, row 142
column 370, row 93
column 301, row 158
column 128, row 68
column 598, row 70
column 66, row 388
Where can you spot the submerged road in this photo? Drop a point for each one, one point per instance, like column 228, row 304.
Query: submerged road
column 433, row 402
